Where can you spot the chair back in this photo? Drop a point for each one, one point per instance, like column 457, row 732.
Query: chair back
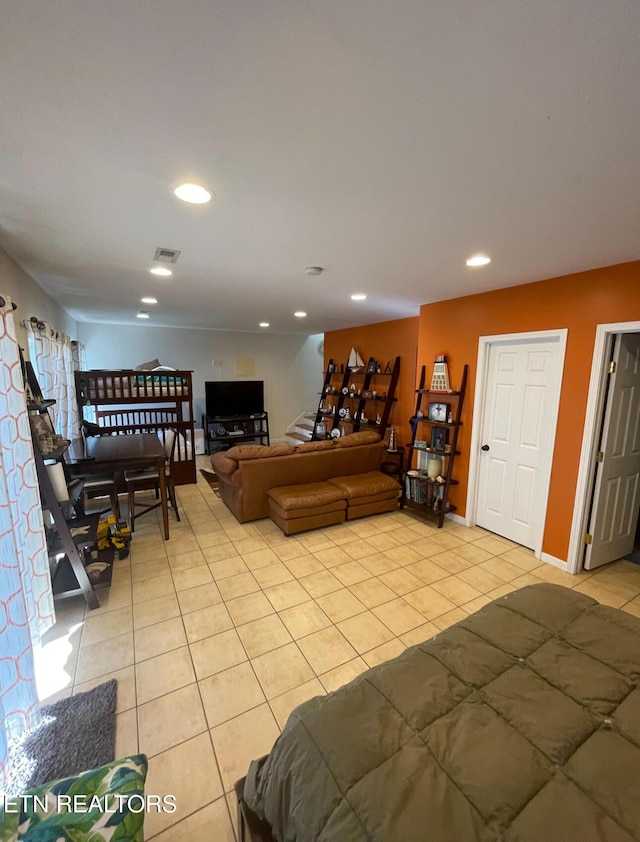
column 169, row 444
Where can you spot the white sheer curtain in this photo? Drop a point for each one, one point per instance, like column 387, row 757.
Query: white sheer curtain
column 26, row 600
column 55, row 358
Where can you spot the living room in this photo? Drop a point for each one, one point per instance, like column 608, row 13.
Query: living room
column 304, row 173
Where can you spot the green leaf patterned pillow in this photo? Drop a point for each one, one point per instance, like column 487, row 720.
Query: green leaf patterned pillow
column 108, row 804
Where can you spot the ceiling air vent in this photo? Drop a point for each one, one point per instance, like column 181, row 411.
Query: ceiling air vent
column 166, row 255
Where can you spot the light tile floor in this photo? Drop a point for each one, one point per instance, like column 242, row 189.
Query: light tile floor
column 215, row 635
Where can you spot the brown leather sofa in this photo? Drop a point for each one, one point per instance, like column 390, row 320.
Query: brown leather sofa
column 247, row 472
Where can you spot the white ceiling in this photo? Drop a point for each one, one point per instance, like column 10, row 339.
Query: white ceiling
column 386, row 140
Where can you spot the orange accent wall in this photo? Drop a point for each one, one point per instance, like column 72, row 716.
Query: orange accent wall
column 577, row 302
column 384, row 342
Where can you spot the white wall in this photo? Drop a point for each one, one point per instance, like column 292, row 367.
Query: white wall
column 32, row 300
column 290, row 366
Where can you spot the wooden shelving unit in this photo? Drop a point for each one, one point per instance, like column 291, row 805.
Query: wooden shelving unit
column 342, row 391
column 74, row 534
column 426, row 497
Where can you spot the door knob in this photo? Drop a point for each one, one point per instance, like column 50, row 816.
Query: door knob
column 485, row 447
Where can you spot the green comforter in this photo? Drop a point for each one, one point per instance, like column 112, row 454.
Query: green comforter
column 522, row 722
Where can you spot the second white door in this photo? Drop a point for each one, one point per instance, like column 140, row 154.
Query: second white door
column 616, row 496
column 520, row 407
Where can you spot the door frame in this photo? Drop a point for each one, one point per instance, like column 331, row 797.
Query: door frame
column 480, row 396
column 593, row 416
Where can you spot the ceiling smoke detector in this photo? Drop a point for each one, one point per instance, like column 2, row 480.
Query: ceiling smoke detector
column 166, row 255
column 314, row 270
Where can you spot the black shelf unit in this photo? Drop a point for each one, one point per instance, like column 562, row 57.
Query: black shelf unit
column 259, row 434
column 337, row 392
column 426, row 497
column 73, row 536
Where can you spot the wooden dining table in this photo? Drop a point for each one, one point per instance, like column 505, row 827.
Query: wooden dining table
column 116, row 454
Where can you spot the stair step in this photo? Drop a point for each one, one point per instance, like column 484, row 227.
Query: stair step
column 299, row 436
column 309, row 427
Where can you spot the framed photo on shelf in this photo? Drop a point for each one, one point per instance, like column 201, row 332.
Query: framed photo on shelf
column 42, row 429
column 367, row 393
column 372, row 366
column 439, row 438
column 440, row 379
column 41, row 425
column 438, row 411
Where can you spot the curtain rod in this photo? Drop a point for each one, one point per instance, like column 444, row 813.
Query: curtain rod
column 37, row 322
column 41, row 326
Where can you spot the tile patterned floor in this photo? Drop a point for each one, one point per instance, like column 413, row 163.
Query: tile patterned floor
column 215, row 635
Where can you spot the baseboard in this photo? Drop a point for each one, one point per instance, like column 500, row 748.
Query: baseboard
column 555, row 562
column 456, row 518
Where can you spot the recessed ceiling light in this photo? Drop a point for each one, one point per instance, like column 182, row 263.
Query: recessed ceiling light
column 143, row 314
column 314, row 270
column 300, row 314
column 195, row 194
column 478, row 260
column 148, row 299
column 263, row 324
column 358, row 296
column 161, row 270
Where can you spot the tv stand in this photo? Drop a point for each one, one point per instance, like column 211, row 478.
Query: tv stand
column 223, row 431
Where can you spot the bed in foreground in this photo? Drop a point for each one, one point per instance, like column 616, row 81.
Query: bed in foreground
column 522, row 722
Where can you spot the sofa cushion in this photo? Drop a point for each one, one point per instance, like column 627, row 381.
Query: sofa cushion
column 357, row 439
column 371, row 484
column 305, row 496
column 222, row 465
column 123, row 819
column 279, row 515
column 311, row 446
column 259, row 451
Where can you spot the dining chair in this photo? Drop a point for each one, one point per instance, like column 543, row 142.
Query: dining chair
column 102, row 486
column 98, row 485
column 149, row 480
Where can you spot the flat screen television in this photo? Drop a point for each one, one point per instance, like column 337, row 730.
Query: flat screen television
column 230, row 398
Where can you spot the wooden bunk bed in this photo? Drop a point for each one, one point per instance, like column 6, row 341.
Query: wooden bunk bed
column 123, row 402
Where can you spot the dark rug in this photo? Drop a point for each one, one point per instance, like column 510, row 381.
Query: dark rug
column 212, row 479
column 74, row 735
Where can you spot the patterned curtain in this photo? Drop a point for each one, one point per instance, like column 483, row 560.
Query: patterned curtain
column 55, row 358
column 26, row 601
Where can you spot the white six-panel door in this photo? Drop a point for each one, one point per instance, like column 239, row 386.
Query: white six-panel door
column 522, row 391
column 616, row 496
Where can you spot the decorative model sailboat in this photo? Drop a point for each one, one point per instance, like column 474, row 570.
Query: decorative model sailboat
column 355, row 361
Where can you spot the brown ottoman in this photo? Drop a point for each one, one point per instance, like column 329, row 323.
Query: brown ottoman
column 308, row 506
column 368, row 494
